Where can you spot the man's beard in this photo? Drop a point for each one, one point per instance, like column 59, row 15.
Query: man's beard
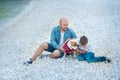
column 63, row 29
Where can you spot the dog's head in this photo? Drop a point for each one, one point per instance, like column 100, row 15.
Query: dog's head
column 73, row 43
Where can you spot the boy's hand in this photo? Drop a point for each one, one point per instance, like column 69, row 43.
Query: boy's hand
column 80, row 51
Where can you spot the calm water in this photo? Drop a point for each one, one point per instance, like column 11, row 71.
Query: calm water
column 10, row 9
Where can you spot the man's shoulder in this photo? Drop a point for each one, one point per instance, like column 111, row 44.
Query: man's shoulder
column 56, row 28
column 69, row 30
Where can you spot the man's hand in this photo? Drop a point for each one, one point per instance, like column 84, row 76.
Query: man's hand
column 80, row 51
column 62, row 49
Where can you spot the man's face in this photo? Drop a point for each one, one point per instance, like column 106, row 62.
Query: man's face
column 64, row 25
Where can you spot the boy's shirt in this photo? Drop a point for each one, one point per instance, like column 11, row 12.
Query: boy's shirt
column 88, row 48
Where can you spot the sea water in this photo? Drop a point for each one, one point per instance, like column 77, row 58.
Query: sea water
column 10, row 9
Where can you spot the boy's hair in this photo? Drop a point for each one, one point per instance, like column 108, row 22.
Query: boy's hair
column 83, row 40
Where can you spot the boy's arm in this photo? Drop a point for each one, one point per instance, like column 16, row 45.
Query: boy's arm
column 79, row 51
column 89, row 47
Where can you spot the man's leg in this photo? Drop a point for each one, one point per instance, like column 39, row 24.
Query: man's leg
column 91, row 58
column 39, row 51
column 47, row 47
column 57, row 54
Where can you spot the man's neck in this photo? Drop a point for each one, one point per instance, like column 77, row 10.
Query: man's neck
column 62, row 30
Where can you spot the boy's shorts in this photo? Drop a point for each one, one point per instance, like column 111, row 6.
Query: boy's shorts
column 51, row 49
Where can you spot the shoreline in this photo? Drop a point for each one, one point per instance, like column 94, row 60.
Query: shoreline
column 11, row 9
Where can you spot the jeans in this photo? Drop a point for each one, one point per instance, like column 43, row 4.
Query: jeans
column 89, row 57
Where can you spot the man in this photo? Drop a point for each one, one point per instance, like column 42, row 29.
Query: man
column 59, row 35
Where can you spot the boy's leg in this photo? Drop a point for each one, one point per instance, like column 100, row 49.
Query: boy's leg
column 81, row 57
column 91, row 58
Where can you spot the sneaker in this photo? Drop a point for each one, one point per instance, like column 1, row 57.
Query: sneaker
column 44, row 55
column 108, row 60
column 28, row 62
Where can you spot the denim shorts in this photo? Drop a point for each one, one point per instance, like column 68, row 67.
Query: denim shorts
column 51, row 49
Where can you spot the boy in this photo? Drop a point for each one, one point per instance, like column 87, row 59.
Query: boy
column 89, row 54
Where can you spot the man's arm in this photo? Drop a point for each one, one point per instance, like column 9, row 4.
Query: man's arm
column 73, row 34
column 61, row 47
column 52, row 39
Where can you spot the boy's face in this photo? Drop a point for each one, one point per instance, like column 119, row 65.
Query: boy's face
column 84, row 46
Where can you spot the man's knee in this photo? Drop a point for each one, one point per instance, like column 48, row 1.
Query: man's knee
column 55, row 54
column 44, row 45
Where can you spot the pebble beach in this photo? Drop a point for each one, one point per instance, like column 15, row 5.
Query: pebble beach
column 20, row 37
